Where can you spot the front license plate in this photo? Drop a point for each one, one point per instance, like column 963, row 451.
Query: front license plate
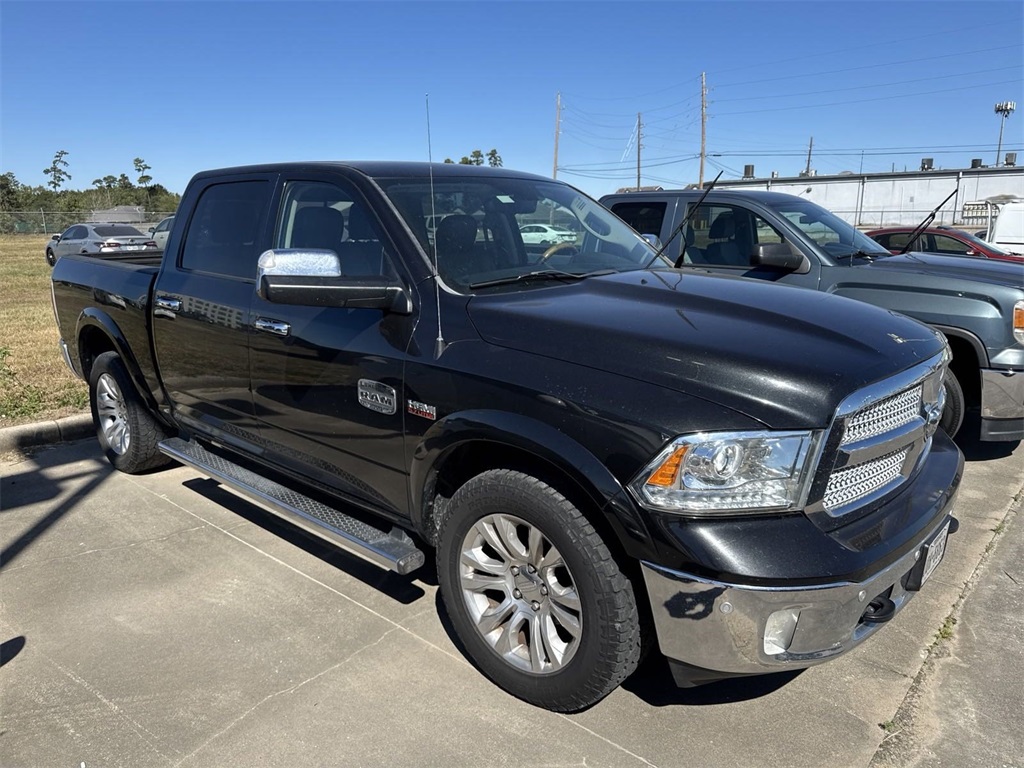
column 935, row 550
column 931, row 556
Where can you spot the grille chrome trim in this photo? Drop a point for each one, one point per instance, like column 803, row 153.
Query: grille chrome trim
column 878, row 438
column 846, row 486
column 884, row 416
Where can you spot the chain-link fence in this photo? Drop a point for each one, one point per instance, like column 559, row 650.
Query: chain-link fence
column 52, row 222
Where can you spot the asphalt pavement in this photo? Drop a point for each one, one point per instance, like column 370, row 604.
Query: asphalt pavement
column 158, row 620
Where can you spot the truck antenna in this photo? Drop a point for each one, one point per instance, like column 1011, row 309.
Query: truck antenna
column 439, row 344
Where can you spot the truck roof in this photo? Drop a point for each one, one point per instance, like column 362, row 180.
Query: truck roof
column 761, row 195
column 378, row 169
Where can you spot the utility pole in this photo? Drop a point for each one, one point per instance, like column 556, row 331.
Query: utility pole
column 558, row 129
column 807, row 172
column 703, row 127
column 638, row 151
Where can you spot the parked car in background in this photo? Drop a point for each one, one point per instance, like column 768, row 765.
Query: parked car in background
column 977, row 304
column 161, row 231
column 545, row 234
column 97, row 238
column 945, row 240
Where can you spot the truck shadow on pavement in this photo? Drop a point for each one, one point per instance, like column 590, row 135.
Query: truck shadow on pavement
column 653, row 683
column 974, row 449
column 401, row 589
column 41, row 482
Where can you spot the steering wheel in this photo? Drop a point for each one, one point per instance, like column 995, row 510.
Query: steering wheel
column 555, row 249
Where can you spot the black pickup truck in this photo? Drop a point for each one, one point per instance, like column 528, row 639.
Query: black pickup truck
column 606, row 453
column 977, row 304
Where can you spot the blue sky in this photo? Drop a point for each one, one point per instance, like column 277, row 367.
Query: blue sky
column 195, row 85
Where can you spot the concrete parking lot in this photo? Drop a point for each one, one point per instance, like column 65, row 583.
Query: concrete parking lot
column 160, row 621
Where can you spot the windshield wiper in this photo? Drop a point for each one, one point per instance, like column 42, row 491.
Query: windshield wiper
column 541, row 274
column 924, row 224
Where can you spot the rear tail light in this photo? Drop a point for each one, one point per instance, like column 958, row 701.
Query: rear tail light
column 108, row 244
column 150, row 244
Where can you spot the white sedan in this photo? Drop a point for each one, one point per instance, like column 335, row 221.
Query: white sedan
column 544, row 234
column 97, row 238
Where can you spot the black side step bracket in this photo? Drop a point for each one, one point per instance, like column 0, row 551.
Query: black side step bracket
column 393, row 550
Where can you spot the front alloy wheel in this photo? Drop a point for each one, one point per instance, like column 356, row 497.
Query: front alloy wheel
column 520, row 593
column 536, row 598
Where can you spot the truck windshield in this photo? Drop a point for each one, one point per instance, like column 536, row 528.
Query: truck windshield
column 484, row 231
column 833, row 235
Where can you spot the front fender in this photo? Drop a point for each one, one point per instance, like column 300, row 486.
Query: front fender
column 506, row 430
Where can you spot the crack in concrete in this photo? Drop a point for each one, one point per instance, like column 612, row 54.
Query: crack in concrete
column 282, row 692
column 143, row 732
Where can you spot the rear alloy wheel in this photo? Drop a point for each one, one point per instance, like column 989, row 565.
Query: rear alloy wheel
column 534, row 594
column 126, row 429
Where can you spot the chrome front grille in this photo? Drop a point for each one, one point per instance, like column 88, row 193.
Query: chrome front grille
column 879, row 437
column 884, row 416
column 846, row 486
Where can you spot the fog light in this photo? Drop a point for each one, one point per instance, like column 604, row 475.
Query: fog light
column 779, row 630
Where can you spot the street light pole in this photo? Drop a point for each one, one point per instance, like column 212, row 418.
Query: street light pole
column 1004, row 108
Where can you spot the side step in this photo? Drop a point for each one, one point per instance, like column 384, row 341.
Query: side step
column 394, row 551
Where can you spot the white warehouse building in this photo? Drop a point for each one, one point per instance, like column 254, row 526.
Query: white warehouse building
column 869, row 200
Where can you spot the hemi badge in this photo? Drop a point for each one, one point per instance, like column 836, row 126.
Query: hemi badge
column 422, row 409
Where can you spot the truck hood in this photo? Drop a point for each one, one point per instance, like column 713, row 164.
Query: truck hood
column 955, row 267
column 783, row 356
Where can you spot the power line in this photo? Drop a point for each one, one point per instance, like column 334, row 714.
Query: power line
column 865, row 87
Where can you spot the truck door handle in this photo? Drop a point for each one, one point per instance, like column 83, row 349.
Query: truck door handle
column 272, row 326
column 168, row 303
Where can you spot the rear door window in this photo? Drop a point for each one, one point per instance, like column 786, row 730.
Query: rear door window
column 223, row 237
column 645, row 218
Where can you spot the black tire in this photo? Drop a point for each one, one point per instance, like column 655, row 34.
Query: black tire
column 50, row 258
column 953, row 414
column 126, row 429
column 558, row 561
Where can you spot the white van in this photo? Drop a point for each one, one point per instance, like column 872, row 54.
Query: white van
column 1007, row 231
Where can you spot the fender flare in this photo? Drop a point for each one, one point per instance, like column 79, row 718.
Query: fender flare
column 541, row 440
column 959, row 333
column 92, row 317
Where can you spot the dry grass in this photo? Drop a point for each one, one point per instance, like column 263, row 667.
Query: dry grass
column 34, row 382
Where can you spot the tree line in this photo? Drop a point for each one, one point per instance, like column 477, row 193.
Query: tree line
column 112, row 190
column 137, row 190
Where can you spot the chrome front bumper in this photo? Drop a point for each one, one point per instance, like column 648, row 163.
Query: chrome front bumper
column 743, row 630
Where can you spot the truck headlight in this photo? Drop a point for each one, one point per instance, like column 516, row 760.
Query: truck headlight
column 1018, row 322
column 728, row 473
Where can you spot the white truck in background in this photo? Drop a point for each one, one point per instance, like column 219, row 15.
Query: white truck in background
column 1005, row 222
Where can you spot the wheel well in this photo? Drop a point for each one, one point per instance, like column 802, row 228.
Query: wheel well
column 966, row 368
column 468, row 460
column 91, row 344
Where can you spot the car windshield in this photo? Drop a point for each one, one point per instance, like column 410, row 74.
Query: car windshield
column 497, row 230
column 117, row 230
column 833, row 235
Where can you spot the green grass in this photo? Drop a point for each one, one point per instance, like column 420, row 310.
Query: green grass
column 35, row 384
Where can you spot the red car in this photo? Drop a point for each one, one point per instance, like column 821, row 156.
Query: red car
column 942, row 240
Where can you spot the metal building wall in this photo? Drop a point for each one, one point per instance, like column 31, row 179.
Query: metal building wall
column 888, row 199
